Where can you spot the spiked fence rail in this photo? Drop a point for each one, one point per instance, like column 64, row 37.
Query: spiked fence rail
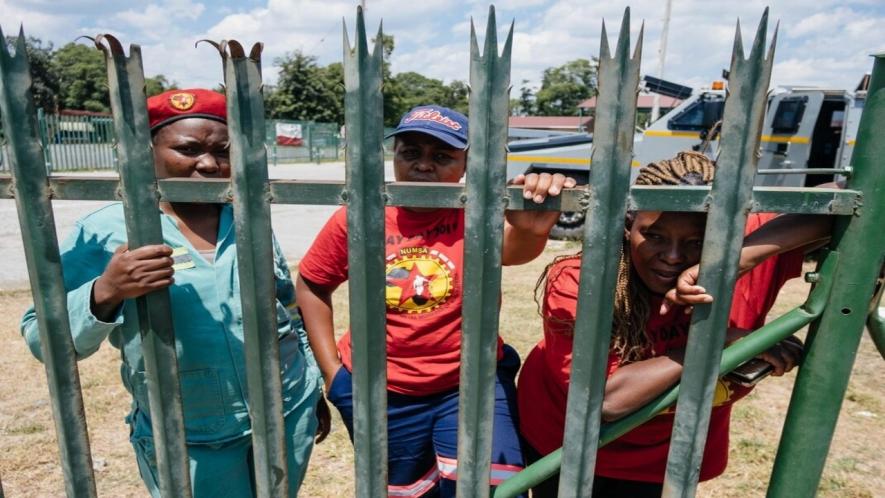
column 836, row 308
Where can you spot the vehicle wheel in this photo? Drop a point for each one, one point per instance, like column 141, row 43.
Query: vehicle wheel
column 570, row 226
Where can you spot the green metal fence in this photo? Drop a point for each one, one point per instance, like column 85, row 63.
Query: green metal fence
column 73, row 141
column 303, row 141
column 836, row 308
column 80, row 141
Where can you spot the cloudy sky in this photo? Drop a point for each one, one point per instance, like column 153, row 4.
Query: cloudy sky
column 821, row 42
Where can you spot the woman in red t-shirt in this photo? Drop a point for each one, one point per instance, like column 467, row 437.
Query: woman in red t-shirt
column 649, row 334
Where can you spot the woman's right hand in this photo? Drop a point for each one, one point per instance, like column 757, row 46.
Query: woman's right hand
column 329, row 375
column 131, row 274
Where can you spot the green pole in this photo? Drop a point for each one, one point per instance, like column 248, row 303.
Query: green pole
column 249, row 181
column 483, row 237
column 609, row 187
column 834, row 338
column 32, row 197
column 142, row 213
column 730, row 201
column 364, row 195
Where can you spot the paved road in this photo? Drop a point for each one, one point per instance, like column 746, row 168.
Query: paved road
column 295, row 226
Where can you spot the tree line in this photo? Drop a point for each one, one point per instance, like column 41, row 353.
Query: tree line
column 74, row 77
column 307, row 91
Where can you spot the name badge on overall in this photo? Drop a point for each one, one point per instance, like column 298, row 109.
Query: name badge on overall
column 181, row 259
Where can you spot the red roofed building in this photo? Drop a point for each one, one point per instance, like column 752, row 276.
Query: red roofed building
column 558, row 123
column 643, row 102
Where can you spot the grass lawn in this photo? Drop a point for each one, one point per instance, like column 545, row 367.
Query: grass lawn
column 29, row 455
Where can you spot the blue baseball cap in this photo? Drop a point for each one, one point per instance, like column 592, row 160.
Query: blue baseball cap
column 437, row 121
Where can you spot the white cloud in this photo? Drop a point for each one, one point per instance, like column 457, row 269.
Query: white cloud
column 825, row 42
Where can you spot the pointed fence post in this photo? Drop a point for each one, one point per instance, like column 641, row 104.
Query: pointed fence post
column 364, row 195
column 34, row 207
column 483, row 237
column 142, row 212
column 730, row 201
column 833, row 340
column 251, row 202
column 603, row 241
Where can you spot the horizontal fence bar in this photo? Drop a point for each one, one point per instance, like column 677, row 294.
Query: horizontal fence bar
column 732, row 356
column 805, row 171
column 448, row 195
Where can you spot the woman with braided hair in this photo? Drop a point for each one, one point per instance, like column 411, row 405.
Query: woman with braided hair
column 649, row 333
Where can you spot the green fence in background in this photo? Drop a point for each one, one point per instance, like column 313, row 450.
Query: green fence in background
column 836, row 309
column 85, row 142
column 303, row 141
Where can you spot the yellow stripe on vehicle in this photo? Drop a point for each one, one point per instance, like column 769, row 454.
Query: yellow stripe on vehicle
column 556, row 160
column 785, row 139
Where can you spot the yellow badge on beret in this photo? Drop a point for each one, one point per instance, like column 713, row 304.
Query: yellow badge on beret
column 182, row 101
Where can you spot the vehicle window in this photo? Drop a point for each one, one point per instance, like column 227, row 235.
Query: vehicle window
column 788, row 115
column 699, row 116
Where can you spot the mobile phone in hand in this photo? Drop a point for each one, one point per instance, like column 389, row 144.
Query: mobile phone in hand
column 748, row 374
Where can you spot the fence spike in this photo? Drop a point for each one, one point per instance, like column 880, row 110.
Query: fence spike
column 255, row 260
column 364, row 193
column 33, row 204
column 484, row 223
column 731, row 201
column 609, row 185
column 142, row 213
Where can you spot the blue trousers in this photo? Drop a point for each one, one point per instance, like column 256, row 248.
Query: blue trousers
column 226, row 469
column 422, row 434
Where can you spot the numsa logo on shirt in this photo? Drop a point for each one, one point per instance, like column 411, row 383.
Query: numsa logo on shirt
column 419, row 280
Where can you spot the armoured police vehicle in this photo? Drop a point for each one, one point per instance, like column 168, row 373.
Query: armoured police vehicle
column 807, row 138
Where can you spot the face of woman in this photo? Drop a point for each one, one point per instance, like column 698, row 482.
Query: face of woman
column 192, row 148
column 663, row 245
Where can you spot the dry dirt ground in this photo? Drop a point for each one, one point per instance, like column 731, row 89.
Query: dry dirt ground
column 29, row 456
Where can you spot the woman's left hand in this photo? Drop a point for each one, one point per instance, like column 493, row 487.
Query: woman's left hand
column 324, row 417
column 537, row 187
column 784, row 356
column 686, row 292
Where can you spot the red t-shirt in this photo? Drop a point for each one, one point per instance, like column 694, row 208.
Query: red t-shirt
column 424, row 261
column 641, row 454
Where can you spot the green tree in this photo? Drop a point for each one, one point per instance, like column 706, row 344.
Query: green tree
column 305, row 91
column 564, row 87
column 524, row 105
column 82, row 77
column 157, row 85
column 45, row 81
column 457, row 94
column 390, row 88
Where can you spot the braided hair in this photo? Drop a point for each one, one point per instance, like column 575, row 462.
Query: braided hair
column 630, row 342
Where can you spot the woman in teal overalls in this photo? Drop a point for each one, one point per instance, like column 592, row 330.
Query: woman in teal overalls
column 102, row 276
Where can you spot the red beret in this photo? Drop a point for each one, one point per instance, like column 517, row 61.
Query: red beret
column 173, row 105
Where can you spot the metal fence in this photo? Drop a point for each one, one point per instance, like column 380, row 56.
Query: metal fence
column 836, row 308
column 85, row 142
column 303, row 141
column 72, row 142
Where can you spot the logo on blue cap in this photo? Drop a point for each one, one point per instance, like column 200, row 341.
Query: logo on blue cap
column 437, row 121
